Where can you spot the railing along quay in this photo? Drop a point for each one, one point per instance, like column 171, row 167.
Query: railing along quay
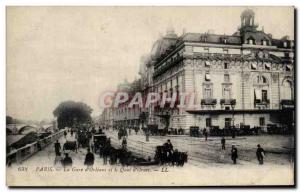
column 21, row 154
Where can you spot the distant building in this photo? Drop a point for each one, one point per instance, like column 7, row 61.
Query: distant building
column 123, row 116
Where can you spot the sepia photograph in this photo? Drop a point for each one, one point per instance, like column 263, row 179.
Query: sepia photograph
column 150, row 96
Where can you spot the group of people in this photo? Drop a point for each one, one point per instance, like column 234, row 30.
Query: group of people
column 260, row 152
column 67, row 160
column 103, row 149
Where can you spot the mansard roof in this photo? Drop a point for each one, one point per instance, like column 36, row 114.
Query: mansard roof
column 211, row 38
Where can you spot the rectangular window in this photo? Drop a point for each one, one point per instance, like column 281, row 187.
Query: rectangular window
column 226, row 93
column 227, row 122
column 207, row 93
column 208, row 122
column 225, row 65
column 264, row 95
column 257, row 94
column 262, row 121
column 226, row 78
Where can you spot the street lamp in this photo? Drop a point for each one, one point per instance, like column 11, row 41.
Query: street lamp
column 232, row 103
column 143, row 119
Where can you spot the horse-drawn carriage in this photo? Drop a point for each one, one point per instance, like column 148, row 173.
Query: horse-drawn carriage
column 83, row 138
column 194, row 131
column 70, row 146
column 164, row 156
column 100, row 139
column 122, row 133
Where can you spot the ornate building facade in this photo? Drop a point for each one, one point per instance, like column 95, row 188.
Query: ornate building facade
column 242, row 79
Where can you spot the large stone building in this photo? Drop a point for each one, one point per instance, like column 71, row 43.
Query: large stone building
column 242, row 79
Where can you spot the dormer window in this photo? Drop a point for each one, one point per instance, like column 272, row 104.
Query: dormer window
column 268, row 66
column 251, row 41
column 207, row 77
column 207, row 64
column 203, row 38
column 285, row 44
column 264, row 42
column 253, row 66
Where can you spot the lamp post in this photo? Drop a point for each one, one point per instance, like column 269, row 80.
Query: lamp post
column 142, row 119
column 232, row 103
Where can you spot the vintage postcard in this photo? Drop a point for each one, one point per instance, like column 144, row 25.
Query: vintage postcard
column 150, row 96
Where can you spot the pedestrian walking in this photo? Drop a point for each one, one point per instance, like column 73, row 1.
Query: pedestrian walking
column 233, row 133
column 223, row 143
column 65, row 134
column 205, row 134
column 168, row 150
column 57, row 148
column 67, row 161
column 234, row 154
column 124, row 143
column 89, row 158
column 106, row 151
column 58, row 159
column 260, row 153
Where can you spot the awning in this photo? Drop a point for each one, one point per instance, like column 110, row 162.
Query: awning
column 268, row 65
column 257, row 94
column 207, row 63
column 254, row 66
column 207, row 77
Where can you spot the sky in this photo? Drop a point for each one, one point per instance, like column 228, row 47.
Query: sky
column 56, row 54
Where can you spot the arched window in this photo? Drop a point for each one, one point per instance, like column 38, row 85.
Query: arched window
column 264, row 42
column 260, row 80
column 287, row 90
column 251, row 41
